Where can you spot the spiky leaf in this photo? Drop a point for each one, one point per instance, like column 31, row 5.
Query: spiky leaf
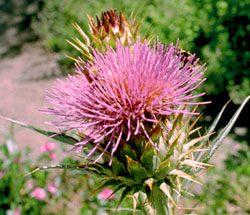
column 142, row 199
column 126, row 149
column 117, row 167
column 56, row 136
column 211, row 128
column 127, row 181
column 159, row 200
column 163, row 169
column 124, row 194
column 166, row 189
column 107, row 183
column 60, row 166
column 214, row 145
column 136, row 170
column 149, row 158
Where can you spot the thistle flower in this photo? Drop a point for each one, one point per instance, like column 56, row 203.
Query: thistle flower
column 131, row 89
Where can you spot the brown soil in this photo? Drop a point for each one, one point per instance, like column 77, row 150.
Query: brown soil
column 23, row 90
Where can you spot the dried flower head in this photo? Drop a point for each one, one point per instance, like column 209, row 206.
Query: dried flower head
column 131, row 89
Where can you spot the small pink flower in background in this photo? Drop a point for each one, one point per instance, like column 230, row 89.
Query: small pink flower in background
column 2, row 174
column 53, row 156
column 50, row 146
column 14, row 212
column 51, row 188
column 105, row 194
column 29, row 185
column 38, row 193
column 16, row 160
column 46, row 147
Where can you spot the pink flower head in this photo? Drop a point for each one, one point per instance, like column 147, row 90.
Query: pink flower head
column 46, row 147
column 51, row 188
column 125, row 89
column 52, row 156
column 38, row 193
column 105, row 194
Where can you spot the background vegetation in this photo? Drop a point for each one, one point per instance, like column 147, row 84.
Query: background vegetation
column 48, row 192
column 218, row 31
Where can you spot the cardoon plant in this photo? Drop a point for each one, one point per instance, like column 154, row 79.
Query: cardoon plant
column 131, row 116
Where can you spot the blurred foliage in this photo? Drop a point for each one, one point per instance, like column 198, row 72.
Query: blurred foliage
column 227, row 190
column 74, row 189
column 224, row 44
column 217, row 31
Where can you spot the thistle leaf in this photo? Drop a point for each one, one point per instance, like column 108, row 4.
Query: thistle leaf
column 156, row 133
column 116, row 190
column 149, row 158
column 60, row 166
column 190, row 144
column 214, row 145
column 136, row 170
column 124, row 194
column 141, row 198
column 194, row 163
column 172, row 147
column 163, row 169
column 212, row 127
column 56, row 136
column 165, row 188
column 128, row 181
column 160, row 201
column 117, row 167
column 183, row 175
column 100, row 169
column 126, row 149
column 103, row 169
column 107, row 183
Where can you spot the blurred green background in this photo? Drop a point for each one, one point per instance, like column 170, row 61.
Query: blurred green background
column 218, row 31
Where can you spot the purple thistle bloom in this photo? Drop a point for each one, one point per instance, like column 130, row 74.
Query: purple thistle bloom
column 125, row 89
